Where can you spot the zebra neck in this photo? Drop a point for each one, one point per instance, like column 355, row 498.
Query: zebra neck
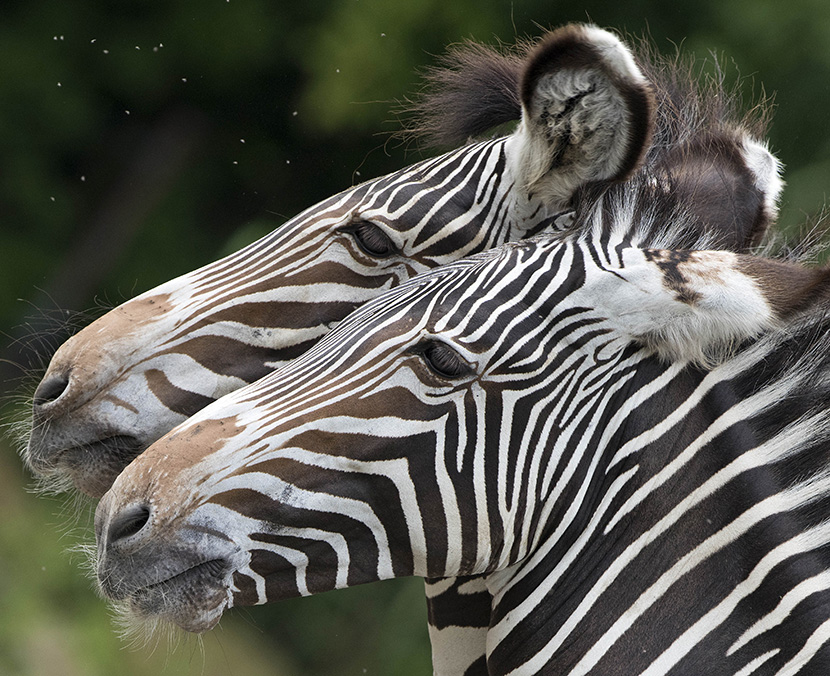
column 703, row 540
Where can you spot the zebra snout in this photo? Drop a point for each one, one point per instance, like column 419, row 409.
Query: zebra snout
column 50, row 390
column 118, row 529
column 127, row 523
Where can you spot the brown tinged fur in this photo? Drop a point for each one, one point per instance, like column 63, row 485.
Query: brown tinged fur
column 789, row 289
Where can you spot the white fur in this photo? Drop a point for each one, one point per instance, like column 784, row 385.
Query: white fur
column 729, row 307
column 615, row 53
column 767, row 171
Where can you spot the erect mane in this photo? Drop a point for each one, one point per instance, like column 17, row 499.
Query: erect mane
column 475, row 88
column 690, row 99
column 788, row 373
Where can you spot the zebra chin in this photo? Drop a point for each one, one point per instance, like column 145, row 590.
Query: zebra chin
column 191, row 596
column 194, row 601
column 158, row 569
column 89, row 466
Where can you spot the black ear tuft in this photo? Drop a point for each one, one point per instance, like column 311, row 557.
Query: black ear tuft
column 473, row 89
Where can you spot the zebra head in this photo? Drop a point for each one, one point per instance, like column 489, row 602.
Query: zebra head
column 587, row 118
column 478, row 419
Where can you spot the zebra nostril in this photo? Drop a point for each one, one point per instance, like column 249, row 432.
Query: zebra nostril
column 50, row 389
column 128, row 523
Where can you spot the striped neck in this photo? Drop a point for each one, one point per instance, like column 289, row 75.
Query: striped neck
column 691, row 531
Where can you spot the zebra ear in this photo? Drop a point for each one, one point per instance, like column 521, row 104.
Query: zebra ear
column 729, row 184
column 697, row 305
column 587, row 113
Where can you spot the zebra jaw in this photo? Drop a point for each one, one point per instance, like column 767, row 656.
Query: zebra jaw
column 91, row 466
column 193, row 600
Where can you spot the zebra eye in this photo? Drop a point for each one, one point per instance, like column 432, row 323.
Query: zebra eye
column 371, row 239
column 443, row 360
column 563, row 220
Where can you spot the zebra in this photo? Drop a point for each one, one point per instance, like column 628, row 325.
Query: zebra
column 626, row 440
column 694, row 157
column 132, row 375
column 599, row 114
column 753, row 173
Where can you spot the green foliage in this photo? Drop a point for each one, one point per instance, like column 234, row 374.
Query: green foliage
column 142, row 139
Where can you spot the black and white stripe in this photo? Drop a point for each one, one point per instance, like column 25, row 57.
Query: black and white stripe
column 511, row 417
column 210, row 332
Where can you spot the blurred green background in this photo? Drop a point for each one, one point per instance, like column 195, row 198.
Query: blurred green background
column 141, row 139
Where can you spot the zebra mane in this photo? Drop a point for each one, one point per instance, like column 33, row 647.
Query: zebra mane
column 643, row 212
column 691, row 99
column 475, row 88
column 786, row 376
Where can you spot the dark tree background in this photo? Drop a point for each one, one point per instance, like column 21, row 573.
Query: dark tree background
column 142, row 139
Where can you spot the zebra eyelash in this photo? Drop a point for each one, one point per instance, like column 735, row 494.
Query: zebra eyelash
column 443, row 360
column 371, row 239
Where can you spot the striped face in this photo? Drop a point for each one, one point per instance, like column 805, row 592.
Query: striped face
column 144, row 367
column 161, row 357
column 587, row 121
column 529, row 415
column 448, row 428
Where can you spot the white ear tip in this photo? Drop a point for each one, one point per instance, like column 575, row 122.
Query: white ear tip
column 766, row 168
column 614, row 53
